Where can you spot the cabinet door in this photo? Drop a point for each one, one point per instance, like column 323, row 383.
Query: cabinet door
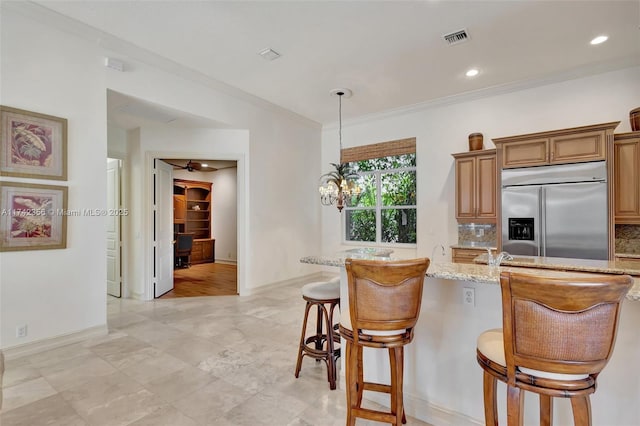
column 465, row 188
column 179, row 208
column 465, row 255
column 627, row 181
column 486, row 186
column 588, row 146
column 197, row 252
column 533, row 152
column 207, row 250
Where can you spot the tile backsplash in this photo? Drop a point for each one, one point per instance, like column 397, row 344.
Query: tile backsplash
column 476, row 233
column 628, row 239
column 627, row 236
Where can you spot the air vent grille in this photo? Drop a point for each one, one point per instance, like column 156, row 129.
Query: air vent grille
column 456, row 37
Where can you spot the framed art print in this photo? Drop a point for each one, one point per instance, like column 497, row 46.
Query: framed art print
column 32, row 145
column 32, row 217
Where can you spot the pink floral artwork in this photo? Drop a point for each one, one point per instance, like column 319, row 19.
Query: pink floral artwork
column 32, row 216
column 30, row 144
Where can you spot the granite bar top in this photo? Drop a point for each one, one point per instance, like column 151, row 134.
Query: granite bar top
column 566, row 264
column 491, row 274
column 628, row 255
column 474, row 245
column 480, row 273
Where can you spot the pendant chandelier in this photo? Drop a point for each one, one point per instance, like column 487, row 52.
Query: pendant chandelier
column 337, row 186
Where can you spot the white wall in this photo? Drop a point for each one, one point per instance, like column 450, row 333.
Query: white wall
column 57, row 292
column 46, row 69
column 224, row 213
column 443, row 129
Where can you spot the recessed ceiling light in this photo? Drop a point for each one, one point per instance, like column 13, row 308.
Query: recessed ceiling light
column 472, row 72
column 599, row 39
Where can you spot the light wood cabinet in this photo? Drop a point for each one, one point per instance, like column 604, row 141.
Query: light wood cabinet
column 633, row 260
column 574, row 145
column 476, row 186
column 203, row 251
column 179, row 208
column 626, row 185
column 466, row 255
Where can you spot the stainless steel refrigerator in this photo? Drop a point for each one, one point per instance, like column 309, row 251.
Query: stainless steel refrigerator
column 556, row 211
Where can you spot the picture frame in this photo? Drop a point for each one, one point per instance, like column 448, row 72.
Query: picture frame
column 32, row 216
column 32, row 145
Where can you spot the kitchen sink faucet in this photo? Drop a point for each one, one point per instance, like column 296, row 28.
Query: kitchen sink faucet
column 498, row 258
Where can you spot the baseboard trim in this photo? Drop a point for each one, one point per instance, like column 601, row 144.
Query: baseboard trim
column 428, row 412
column 316, row 276
column 38, row 346
column 226, row 261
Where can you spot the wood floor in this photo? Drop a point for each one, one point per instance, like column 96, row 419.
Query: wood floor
column 205, row 279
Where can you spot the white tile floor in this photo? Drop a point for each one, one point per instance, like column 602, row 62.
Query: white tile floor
column 223, row 360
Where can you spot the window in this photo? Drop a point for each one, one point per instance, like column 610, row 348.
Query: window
column 385, row 211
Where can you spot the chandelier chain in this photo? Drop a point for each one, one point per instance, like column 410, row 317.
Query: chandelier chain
column 338, row 186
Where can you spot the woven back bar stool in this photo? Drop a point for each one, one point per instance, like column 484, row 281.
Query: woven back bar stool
column 384, row 304
column 325, row 296
column 558, row 334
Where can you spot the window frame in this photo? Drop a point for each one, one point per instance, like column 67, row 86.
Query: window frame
column 379, row 207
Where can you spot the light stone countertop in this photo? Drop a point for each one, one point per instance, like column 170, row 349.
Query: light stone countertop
column 628, row 255
column 480, row 273
column 566, row 264
column 478, row 246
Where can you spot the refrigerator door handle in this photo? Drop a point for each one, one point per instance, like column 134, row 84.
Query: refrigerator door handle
column 542, row 247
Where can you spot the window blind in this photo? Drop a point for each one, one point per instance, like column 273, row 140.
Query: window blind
column 378, row 150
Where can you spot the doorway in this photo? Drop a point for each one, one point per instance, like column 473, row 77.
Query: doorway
column 205, row 213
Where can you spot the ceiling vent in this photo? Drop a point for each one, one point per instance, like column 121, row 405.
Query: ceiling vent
column 269, row 54
column 456, row 37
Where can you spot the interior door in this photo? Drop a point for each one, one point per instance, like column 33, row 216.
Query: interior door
column 163, row 232
column 114, row 272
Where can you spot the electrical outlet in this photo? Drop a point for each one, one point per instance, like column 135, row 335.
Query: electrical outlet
column 469, row 296
column 21, row 330
column 480, row 232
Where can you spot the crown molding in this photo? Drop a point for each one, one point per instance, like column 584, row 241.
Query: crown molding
column 573, row 74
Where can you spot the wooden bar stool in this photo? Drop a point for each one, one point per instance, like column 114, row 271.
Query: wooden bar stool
column 384, row 304
column 325, row 296
column 558, row 334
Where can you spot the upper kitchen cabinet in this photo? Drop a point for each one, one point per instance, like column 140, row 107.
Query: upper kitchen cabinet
column 626, row 184
column 476, row 186
column 574, row 145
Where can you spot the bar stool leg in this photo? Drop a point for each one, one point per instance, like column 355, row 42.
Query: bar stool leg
column 490, row 409
column 319, row 321
column 396, row 358
column 301, row 346
column 581, row 407
column 546, row 410
column 352, row 383
column 330, row 360
column 515, row 406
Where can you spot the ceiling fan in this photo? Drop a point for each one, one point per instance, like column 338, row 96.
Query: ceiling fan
column 193, row 166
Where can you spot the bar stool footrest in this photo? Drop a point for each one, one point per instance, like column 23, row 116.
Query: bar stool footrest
column 379, row 416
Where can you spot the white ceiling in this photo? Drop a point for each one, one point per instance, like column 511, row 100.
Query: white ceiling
column 390, row 53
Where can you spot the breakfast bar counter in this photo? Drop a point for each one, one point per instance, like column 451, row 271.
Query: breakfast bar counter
column 443, row 382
